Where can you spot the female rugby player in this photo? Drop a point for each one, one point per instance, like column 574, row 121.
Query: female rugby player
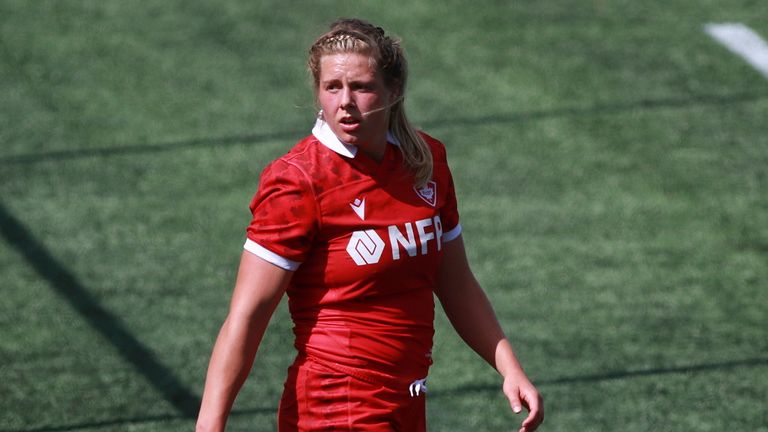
column 358, row 224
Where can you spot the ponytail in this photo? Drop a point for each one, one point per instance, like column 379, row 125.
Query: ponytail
column 416, row 153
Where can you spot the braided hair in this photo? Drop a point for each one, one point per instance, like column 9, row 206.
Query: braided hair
column 351, row 35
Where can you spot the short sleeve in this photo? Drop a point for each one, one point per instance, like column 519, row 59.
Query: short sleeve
column 284, row 216
column 449, row 211
column 449, row 214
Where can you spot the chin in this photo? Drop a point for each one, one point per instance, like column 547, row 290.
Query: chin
column 347, row 138
column 351, row 140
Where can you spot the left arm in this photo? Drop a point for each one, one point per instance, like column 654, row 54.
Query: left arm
column 471, row 314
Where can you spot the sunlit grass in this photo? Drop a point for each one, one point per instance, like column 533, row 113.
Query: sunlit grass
column 610, row 162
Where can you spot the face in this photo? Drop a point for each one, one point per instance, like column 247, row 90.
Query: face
column 350, row 91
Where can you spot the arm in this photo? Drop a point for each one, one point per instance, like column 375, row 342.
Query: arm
column 258, row 290
column 471, row 314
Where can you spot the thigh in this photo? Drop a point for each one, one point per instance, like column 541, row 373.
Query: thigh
column 314, row 398
column 379, row 408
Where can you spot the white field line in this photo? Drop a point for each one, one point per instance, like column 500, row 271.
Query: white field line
column 742, row 41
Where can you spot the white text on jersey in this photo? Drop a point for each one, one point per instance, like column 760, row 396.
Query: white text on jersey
column 367, row 246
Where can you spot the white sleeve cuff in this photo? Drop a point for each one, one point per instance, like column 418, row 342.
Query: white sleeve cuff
column 452, row 234
column 269, row 256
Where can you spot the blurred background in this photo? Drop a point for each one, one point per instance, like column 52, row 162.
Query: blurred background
column 611, row 161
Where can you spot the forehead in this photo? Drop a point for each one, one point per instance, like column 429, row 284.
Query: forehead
column 349, row 65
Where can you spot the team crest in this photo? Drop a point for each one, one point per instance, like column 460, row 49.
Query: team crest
column 428, row 193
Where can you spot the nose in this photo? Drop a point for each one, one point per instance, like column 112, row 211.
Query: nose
column 347, row 99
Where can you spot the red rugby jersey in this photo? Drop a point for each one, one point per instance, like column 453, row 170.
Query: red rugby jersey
column 365, row 246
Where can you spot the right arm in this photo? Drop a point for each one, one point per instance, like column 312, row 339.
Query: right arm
column 258, row 290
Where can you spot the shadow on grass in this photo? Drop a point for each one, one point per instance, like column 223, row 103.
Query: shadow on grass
column 487, row 388
column 616, row 375
column 101, row 152
column 100, row 319
column 603, row 109
column 124, row 422
column 514, row 117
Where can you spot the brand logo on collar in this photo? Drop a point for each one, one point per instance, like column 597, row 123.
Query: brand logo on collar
column 428, row 193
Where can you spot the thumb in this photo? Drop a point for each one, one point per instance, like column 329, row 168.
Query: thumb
column 514, row 402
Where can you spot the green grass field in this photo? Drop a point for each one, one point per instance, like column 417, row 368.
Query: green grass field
column 611, row 162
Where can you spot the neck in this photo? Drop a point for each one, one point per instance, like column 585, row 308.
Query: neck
column 375, row 150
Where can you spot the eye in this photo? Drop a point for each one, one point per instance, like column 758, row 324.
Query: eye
column 332, row 87
column 363, row 87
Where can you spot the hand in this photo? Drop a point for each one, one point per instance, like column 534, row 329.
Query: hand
column 521, row 393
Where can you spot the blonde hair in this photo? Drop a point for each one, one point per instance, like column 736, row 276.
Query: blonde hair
column 386, row 54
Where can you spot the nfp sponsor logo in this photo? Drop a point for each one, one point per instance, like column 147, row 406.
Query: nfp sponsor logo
column 366, row 246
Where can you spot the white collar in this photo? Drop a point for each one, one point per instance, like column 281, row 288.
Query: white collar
column 325, row 135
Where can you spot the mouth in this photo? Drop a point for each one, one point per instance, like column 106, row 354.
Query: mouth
column 348, row 123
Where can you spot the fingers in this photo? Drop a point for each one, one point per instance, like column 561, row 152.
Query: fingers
column 535, row 412
column 522, row 394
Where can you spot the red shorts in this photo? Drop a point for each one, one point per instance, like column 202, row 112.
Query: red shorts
column 325, row 397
